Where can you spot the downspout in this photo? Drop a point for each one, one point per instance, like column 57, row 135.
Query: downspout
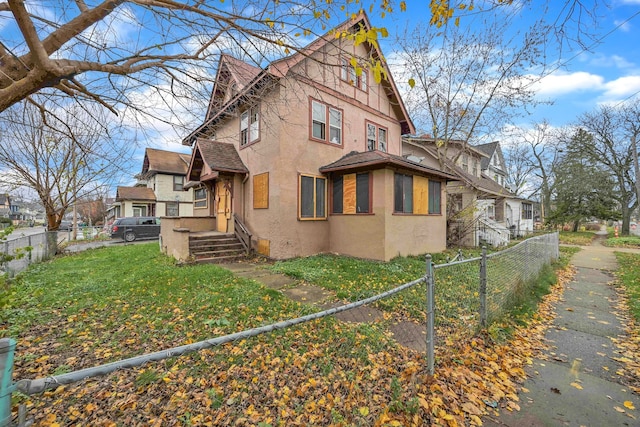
column 244, row 206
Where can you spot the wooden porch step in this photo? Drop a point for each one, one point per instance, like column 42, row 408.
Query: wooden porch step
column 220, row 252
column 219, row 248
column 221, row 259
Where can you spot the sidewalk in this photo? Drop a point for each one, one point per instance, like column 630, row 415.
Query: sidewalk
column 576, row 384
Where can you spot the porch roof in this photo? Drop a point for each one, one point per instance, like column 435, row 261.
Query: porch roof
column 379, row 159
column 135, row 193
column 218, row 156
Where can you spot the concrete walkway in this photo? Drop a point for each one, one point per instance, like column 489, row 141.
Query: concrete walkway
column 576, row 383
column 408, row 334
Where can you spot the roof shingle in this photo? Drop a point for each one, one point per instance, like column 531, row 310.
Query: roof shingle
column 135, row 193
column 169, row 162
column 375, row 159
column 221, row 156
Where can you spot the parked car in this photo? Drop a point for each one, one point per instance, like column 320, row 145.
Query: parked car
column 135, row 227
column 65, row 226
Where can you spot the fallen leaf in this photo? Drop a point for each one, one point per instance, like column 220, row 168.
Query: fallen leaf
column 619, row 409
column 576, row 385
column 629, row 405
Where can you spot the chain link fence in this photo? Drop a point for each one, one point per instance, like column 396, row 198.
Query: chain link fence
column 455, row 299
column 472, row 293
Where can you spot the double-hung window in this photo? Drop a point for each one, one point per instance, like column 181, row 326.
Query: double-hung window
column 351, row 194
column 249, row 126
column 527, row 211
column 178, row 183
column 376, row 137
column 312, row 197
column 200, row 197
column 173, row 209
column 326, row 123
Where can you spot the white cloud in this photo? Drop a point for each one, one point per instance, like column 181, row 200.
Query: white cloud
column 622, row 87
column 624, row 26
column 564, row 83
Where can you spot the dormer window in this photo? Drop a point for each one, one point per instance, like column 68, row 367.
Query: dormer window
column 348, row 74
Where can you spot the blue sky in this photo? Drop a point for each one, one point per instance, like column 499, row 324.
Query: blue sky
column 608, row 72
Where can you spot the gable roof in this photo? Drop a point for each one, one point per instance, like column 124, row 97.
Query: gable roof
column 377, row 159
column 253, row 78
column 488, row 148
column 161, row 161
column 482, row 184
column 231, row 72
column 457, row 143
column 218, row 156
column 134, row 193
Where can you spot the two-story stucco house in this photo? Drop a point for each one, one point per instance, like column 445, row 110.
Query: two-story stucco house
column 160, row 190
column 306, row 154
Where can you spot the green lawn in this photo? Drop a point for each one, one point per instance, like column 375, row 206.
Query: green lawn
column 106, row 304
column 581, row 238
column 623, row 242
column 629, row 276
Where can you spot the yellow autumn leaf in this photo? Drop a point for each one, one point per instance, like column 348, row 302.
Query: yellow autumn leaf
column 364, row 411
column 411, row 83
column 576, row 385
column 629, row 405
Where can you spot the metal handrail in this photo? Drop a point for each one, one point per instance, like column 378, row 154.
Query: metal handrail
column 242, row 233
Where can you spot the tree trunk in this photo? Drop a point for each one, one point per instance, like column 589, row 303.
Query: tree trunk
column 626, row 218
column 576, row 223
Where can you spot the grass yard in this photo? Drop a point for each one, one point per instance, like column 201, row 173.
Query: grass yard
column 629, row 276
column 580, row 238
column 623, row 242
column 103, row 305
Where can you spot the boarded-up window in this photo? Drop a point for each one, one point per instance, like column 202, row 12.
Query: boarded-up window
column 420, row 195
column 351, row 194
column 416, row 194
column 349, row 183
column 261, row 191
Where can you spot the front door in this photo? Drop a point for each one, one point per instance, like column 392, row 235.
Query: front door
column 223, row 205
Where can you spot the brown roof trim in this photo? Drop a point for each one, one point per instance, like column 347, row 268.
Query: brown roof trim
column 376, row 160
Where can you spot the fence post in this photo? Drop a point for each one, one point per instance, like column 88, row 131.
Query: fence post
column 483, row 288
column 7, row 347
column 430, row 282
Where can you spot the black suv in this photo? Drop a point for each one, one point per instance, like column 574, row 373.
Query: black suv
column 138, row 227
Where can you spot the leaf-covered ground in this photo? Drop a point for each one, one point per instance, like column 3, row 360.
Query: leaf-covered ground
column 107, row 304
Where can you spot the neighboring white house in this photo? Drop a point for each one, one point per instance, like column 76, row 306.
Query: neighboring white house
column 165, row 173
column 481, row 209
column 160, row 190
column 518, row 214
